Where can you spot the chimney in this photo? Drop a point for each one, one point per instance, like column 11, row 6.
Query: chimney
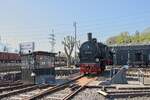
column 89, row 36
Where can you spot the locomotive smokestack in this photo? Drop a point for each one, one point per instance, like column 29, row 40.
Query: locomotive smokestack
column 89, row 36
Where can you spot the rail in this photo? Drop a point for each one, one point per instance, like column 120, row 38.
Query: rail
column 69, row 96
column 26, row 88
column 10, row 83
column 55, row 88
column 14, row 87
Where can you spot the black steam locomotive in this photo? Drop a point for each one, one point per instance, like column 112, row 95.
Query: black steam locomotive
column 94, row 56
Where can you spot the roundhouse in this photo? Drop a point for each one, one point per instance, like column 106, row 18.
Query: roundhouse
column 132, row 54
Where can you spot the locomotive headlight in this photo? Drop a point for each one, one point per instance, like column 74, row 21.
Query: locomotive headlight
column 97, row 59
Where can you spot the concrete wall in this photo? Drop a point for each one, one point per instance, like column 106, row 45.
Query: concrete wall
column 41, row 75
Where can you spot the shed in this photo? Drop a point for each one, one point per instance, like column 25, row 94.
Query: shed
column 38, row 67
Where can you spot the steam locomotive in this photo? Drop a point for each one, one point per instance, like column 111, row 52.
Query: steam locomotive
column 94, row 56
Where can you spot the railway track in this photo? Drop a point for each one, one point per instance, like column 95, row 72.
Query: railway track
column 68, row 90
column 25, row 93
column 35, row 91
column 64, row 91
column 9, row 91
column 10, row 83
column 11, row 88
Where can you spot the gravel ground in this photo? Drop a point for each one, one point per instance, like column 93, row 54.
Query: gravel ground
column 88, row 94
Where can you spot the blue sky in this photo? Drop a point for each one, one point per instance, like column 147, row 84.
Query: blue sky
column 33, row 20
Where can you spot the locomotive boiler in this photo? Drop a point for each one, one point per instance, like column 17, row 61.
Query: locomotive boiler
column 94, row 56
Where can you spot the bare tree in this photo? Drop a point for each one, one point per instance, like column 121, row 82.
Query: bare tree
column 69, row 43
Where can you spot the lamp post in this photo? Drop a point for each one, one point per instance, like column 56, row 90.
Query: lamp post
column 114, row 61
column 142, row 57
column 114, row 56
column 129, row 60
column 59, row 57
column 33, row 75
column 31, row 58
column 128, row 63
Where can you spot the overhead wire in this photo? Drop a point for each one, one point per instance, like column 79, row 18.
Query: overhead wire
column 83, row 27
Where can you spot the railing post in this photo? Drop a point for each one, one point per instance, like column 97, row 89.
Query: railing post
column 141, row 76
column 138, row 76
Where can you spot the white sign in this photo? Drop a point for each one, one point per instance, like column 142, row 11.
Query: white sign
column 27, row 46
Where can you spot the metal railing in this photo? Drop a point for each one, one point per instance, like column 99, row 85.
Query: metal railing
column 140, row 76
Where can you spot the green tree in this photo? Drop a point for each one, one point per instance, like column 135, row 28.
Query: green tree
column 123, row 38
